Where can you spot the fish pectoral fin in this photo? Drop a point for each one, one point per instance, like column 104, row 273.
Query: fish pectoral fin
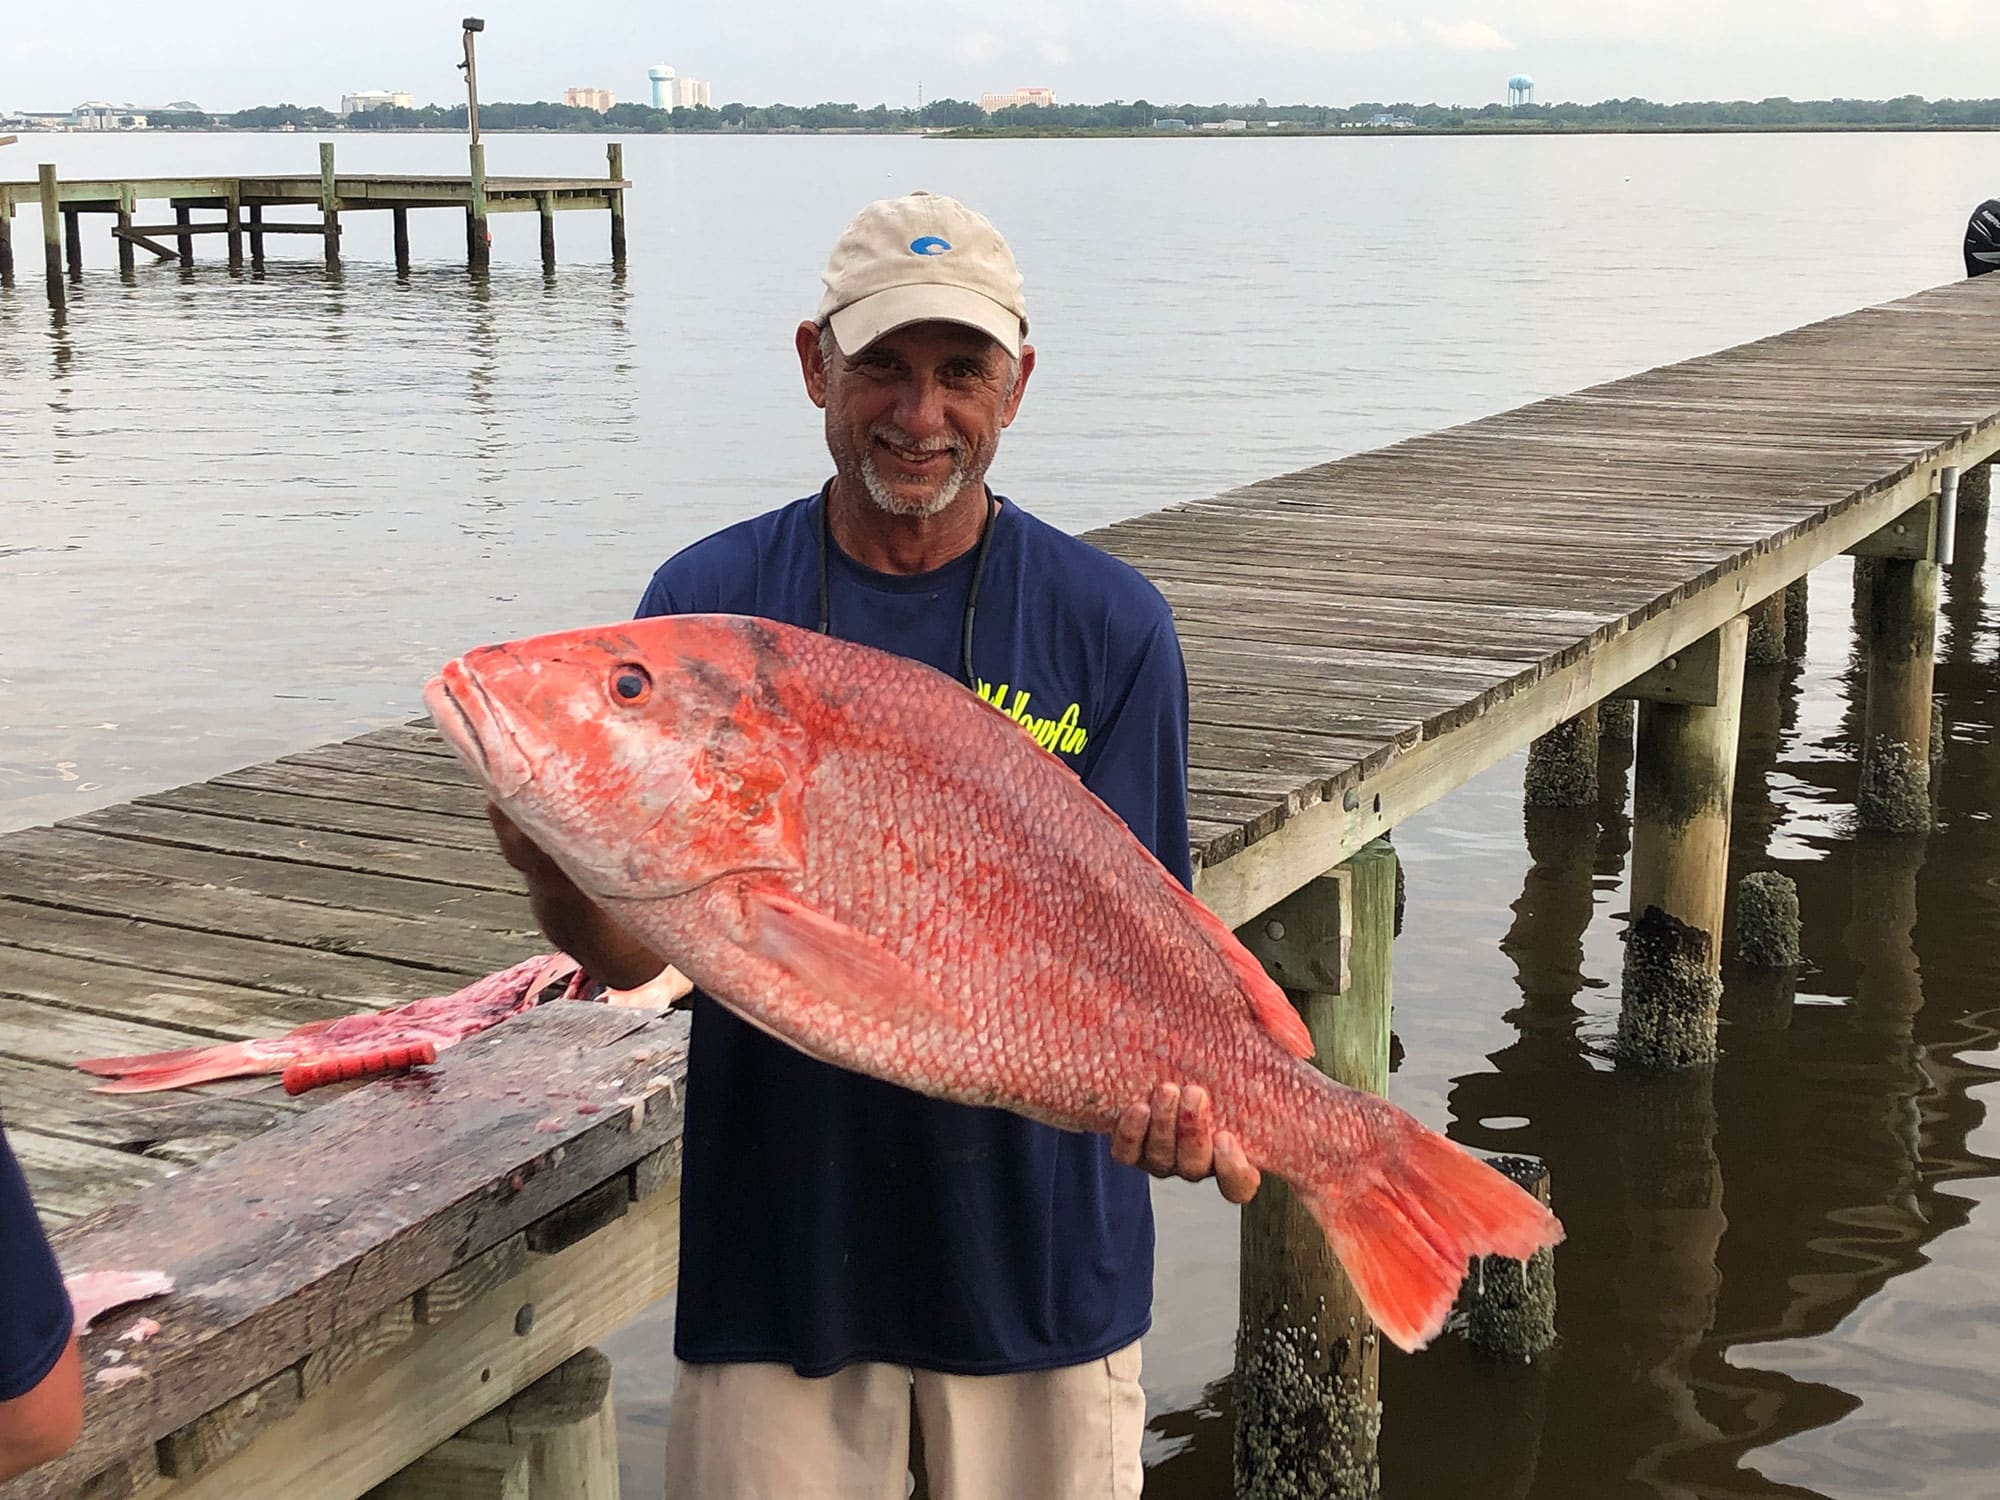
column 833, row 959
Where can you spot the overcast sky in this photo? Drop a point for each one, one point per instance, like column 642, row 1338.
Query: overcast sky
column 225, row 54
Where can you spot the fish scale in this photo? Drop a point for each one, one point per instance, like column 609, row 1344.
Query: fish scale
column 855, row 854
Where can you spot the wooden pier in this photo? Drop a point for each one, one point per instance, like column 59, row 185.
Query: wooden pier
column 366, row 1276
column 243, row 203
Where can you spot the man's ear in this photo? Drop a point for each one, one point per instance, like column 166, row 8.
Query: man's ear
column 812, row 362
column 1020, row 385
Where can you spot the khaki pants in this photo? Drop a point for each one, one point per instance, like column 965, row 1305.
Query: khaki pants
column 761, row 1432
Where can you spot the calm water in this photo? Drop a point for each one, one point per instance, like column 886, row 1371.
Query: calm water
column 237, row 517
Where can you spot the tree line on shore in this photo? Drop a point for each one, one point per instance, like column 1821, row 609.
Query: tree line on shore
column 1908, row 112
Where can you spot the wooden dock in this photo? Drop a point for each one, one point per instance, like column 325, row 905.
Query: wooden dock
column 242, row 203
column 1362, row 638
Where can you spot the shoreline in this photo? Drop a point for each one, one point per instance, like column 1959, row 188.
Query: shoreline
column 975, row 133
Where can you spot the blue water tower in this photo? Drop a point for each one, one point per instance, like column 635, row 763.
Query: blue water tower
column 1520, row 90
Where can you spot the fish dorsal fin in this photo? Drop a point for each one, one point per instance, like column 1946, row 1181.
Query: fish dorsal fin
column 1268, row 1003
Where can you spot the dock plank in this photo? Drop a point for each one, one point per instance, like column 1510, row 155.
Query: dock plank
column 479, row 869
column 90, row 853
column 450, row 947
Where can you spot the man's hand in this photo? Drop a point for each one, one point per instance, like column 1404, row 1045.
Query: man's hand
column 1174, row 1135
column 569, row 918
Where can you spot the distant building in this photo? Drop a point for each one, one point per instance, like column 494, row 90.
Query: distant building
column 597, row 99
column 1019, row 97
column 367, row 99
column 1226, row 125
column 97, row 115
column 1386, row 121
column 691, row 93
column 1170, row 122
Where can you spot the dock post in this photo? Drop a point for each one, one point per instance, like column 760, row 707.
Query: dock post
column 1562, row 764
column 183, row 240
column 566, row 1424
column 52, row 233
column 329, row 204
column 73, row 243
column 127, row 203
column 1766, row 644
column 256, row 236
column 1683, row 781
column 615, row 154
column 235, row 207
column 1510, row 1305
column 1895, row 792
column 401, row 217
column 6, row 239
column 546, row 204
column 479, row 242
column 1975, row 490
column 1308, row 1407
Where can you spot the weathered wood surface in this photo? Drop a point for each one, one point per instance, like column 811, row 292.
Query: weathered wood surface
column 303, row 1241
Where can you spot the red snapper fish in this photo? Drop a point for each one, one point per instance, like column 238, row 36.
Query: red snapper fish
column 853, row 853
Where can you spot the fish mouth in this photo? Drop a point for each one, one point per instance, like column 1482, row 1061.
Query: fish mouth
column 476, row 727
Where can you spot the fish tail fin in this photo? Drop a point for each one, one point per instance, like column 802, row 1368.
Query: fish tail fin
column 1407, row 1239
column 147, row 1073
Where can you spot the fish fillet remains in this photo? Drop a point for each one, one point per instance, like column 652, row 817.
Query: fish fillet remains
column 92, row 1294
column 441, row 1020
column 853, row 853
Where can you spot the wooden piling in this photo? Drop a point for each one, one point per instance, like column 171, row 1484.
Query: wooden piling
column 1975, row 489
column 1510, row 1311
column 127, row 204
column 566, row 1423
column 235, row 221
column 6, row 240
column 1902, row 602
column 1683, row 780
column 256, row 236
column 479, row 242
column 1307, row 1358
column 1767, row 920
column 1562, row 764
column 546, row 204
column 183, row 241
column 401, row 218
column 1765, row 646
column 615, row 155
column 329, row 203
column 52, row 232
column 73, row 243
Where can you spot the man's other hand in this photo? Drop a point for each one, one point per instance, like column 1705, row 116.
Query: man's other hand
column 569, row 918
column 1174, row 1135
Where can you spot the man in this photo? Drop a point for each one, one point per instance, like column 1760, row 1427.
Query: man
column 41, row 1379
column 847, row 1245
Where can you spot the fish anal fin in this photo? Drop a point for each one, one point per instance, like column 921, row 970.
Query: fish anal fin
column 832, row 959
column 1268, row 1003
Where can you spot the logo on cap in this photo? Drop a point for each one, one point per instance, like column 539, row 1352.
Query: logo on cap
column 930, row 244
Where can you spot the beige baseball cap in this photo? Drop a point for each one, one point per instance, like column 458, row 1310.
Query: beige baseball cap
column 919, row 259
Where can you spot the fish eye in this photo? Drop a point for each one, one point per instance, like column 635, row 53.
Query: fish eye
column 631, row 683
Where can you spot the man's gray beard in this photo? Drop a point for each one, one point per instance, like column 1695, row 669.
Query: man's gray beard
column 936, row 504
column 963, row 472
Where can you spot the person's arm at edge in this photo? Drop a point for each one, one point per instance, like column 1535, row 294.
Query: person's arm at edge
column 41, row 1425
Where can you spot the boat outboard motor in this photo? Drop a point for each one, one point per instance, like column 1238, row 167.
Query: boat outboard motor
column 1982, row 239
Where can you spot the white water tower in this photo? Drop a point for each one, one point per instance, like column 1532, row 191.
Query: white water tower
column 1520, row 90
column 663, row 85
